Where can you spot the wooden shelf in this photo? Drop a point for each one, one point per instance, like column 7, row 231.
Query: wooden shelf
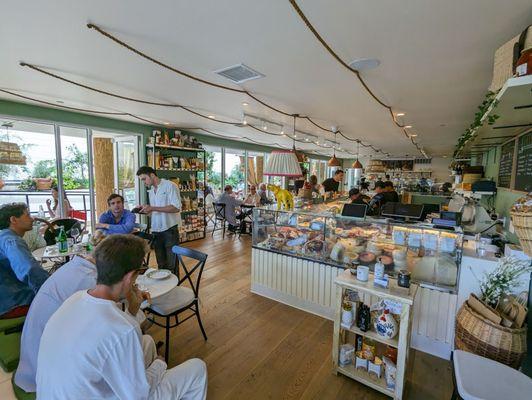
column 180, row 170
column 367, row 379
column 165, row 146
column 373, row 335
column 514, row 117
column 189, row 211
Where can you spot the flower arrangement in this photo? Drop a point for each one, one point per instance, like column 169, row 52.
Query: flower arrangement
column 500, row 281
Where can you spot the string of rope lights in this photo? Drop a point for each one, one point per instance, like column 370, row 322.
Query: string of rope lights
column 172, row 105
column 219, row 86
column 354, row 71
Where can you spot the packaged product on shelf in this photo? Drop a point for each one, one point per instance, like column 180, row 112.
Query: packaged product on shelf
column 346, row 354
column 390, row 372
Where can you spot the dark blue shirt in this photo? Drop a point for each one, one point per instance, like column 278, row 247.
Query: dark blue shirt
column 21, row 275
column 125, row 224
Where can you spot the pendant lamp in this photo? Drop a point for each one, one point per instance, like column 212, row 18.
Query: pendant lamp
column 282, row 163
column 333, row 161
column 357, row 164
column 301, row 158
column 10, row 153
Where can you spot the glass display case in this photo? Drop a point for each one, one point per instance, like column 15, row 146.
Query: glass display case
column 431, row 255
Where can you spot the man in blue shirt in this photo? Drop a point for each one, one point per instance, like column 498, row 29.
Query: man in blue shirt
column 116, row 219
column 21, row 275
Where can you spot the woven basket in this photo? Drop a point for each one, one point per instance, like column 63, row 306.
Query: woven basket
column 478, row 335
column 43, row 183
column 503, row 64
column 522, row 223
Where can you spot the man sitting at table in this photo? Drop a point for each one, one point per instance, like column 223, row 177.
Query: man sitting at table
column 90, row 349
column 78, row 274
column 263, row 193
column 116, row 219
column 231, row 203
column 21, row 275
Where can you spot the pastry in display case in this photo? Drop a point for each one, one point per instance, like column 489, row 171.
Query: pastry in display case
column 431, row 256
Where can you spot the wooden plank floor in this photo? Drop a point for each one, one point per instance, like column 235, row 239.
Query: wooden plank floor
column 261, row 349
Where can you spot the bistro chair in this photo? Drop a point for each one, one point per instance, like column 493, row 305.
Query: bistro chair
column 247, row 221
column 219, row 217
column 476, row 377
column 180, row 298
column 149, row 238
column 10, row 333
column 52, row 230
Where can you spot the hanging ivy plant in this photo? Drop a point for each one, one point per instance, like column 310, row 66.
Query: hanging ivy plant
column 489, row 101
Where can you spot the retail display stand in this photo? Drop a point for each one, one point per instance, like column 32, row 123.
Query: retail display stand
column 403, row 299
column 193, row 218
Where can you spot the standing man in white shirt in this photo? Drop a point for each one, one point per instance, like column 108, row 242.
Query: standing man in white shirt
column 164, row 210
column 90, row 350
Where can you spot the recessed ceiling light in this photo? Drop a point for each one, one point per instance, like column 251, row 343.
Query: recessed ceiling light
column 364, row 64
column 245, row 104
column 413, row 135
column 167, row 123
column 295, row 135
column 400, row 114
column 408, row 126
column 444, row 156
column 306, row 139
column 244, row 122
column 211, row 116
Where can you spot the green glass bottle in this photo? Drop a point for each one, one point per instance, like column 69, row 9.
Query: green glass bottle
column 62, row 242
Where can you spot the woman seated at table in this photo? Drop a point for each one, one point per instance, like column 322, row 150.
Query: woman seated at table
column 67, row 207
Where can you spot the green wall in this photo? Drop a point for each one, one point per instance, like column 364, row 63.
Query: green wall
column 505, row 198
column 30, row 111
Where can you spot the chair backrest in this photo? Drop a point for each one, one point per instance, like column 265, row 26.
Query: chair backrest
column 149, row 238
column 201, row 259
column 68, row 223
column 219, row 210
column 209, row 201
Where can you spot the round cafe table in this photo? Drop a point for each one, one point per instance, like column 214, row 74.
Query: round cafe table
column 155, row 287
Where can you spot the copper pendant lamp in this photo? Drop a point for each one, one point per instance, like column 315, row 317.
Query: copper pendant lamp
column 333, row 161
column 357, row 164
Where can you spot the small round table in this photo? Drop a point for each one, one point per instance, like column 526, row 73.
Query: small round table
column 156, row 287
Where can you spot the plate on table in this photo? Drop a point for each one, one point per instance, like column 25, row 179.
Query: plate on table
column 159, row 274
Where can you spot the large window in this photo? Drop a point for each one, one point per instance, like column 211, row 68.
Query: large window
column 255, row 168
column 235, row 170
column 28, row 173
column 213, row 156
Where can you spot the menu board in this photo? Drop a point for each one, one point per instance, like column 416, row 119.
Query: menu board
column 506, row 164
column 523, row 175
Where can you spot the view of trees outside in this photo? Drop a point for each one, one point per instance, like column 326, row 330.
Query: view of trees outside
column 214, row 170
column 234, row 169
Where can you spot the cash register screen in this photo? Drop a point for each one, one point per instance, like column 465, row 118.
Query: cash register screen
column 354, row 210
column 400, row 210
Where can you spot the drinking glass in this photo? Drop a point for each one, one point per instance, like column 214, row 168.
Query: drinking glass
column 74, row 232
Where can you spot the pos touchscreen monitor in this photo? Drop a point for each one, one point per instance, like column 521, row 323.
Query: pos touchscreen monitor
column 403, row 211
column 354, row 210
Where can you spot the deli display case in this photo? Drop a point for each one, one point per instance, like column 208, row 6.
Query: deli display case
column 432, row 256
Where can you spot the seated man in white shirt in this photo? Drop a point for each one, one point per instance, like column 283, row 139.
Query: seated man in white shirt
column 77, row 274
column 90, row 349
column 164, row 210
column 231, row 203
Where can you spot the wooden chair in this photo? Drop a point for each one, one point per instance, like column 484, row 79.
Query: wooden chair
column 219, row 216
column 149, row 238
column 181, row 298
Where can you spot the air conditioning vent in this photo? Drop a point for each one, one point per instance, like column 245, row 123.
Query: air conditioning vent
column 239, row 73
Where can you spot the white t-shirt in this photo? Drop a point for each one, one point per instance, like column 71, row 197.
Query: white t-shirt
column 167, row 194
column 91, row 350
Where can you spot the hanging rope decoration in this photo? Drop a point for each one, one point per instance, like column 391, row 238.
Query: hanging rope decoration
column 206, row 82
column 354, row 71
column 172, row 105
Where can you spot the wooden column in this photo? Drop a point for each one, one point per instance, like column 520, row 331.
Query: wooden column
column 104, row 179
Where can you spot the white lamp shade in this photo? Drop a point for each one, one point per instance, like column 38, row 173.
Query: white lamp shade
column 282, row 163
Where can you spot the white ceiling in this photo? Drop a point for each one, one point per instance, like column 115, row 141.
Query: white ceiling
column 436, row 61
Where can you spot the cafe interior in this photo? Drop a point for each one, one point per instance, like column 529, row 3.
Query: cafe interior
column 285, row 199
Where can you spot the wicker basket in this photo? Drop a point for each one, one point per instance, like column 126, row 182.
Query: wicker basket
column 478, row 335
column 503, row 64
column 522, row 223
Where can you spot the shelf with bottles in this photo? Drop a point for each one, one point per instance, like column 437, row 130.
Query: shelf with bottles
column 162, row 161
column 173, row 140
